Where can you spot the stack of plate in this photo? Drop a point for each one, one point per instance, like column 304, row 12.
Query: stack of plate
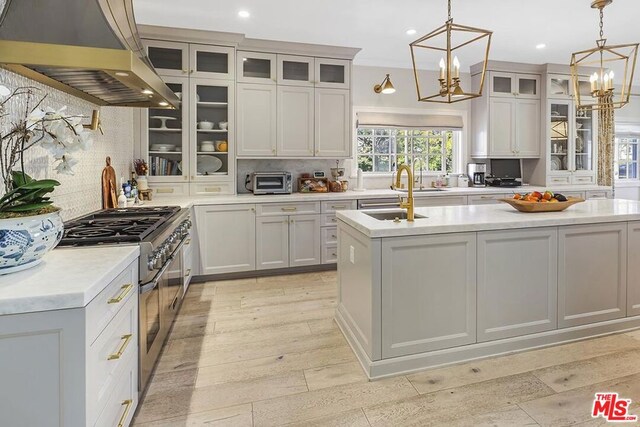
column 163, row 147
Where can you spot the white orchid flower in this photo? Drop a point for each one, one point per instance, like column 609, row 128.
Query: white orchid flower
column 35, row 117
column 65, row 167
column 4, row 91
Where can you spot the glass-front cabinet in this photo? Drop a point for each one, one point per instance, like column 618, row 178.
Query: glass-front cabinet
column 169, row 58
column 560, row 86
column 176, row 59
column 211, row 124
column 514, row 84
column 296, row 70
column 256, row 67
column 332, row 73
column 570, row 142
column 167, row 136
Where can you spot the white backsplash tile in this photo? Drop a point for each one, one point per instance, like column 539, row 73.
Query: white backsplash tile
column 81, row 193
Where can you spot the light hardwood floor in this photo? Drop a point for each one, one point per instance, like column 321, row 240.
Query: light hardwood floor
column 266, row 352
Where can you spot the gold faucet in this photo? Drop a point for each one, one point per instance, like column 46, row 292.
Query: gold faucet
column 408, row 202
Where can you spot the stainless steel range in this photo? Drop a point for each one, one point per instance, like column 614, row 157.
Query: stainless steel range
column 160, row 232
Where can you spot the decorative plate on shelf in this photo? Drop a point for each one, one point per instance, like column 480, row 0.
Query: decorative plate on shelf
column 208, row 164
column 528, row 207
column 163, row 147
column 556, row 163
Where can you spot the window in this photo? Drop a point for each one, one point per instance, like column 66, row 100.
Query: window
column 627, row 157
column 381, row 150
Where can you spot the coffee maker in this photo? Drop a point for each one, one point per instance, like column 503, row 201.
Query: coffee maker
column 476, row 173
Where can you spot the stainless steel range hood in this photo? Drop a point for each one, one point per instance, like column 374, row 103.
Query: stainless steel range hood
column 87, row 48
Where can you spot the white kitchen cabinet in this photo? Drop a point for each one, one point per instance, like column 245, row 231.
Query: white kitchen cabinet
column 257, row 120
column 527, row 128
column 421, row 202
column 304, row 240
column 487, row 199
column 296, row 70
column 332, row 123
column 633, row 277
column 211, row 62
column 592, row 273
column 227, row 238
column 170, row 59
column 332, row 73
column 73, row 367
column 517, row 295
column 502, row 126
column 188, row 262
column 257, row 67
column 296, row 118
column 272, row 242
column 510, row 85
column 420, row 314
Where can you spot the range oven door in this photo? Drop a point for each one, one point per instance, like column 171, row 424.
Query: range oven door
column 158, row 307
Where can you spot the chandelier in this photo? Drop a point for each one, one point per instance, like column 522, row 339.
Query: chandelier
column 446, row 42
column 610, row 70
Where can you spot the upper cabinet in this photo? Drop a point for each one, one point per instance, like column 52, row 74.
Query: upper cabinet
column 333, row 73
column 175, row 59
column 296, row 70
column 256, row 67
column 515, row 85
column 256, row 120
column 211, row 62
column 332, row 123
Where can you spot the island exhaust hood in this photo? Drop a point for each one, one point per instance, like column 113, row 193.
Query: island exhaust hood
column 87, row 48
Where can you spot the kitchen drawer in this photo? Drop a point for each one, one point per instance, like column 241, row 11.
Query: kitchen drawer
column 329, row 219
column 329, row 254
column 111, row 355
column 188, row 264
column 439, row 201
column 295, row 208
column 211, row 189
column 329, row 235
column 104, row 307
column 486, row 199
column 595, row 195
column 571, row 193
column 123, row 401
column 163, row 189
column 583, row 179
column 559, row 180
column 338, row 205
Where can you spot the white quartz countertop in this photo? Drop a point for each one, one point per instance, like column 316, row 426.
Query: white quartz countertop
column 66, row 278
column 469, row 218
column 189, row 201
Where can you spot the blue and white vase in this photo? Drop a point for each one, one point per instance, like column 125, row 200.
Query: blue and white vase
column 24, row 241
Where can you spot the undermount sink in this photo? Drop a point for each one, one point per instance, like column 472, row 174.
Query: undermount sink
column 391, row 216
column 421, row 190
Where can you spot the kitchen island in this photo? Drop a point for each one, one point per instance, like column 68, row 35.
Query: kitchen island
column 465, row 282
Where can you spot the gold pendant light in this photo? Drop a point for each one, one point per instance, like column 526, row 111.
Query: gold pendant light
column 445, row 41
column 606, row 89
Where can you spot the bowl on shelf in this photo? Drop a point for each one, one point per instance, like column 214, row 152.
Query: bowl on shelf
column 207, row 146
column 162, row 147
column 205, row 125
column 223, row 125
column 222, row 146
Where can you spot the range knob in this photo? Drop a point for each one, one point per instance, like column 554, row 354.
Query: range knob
column 151, row 263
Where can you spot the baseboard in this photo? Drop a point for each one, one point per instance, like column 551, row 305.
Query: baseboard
column 264, row 273
column 434, row 359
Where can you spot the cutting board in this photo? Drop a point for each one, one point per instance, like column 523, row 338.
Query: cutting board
column 109, row 197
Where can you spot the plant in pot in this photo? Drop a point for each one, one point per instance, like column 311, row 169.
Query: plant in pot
column 30, row 226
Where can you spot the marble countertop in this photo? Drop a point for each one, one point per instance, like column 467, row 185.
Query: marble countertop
column 469, row 218
column 66, row 278
column 189, row 201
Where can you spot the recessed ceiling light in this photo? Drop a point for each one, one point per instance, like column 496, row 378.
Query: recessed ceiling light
column 244, row 14
column 541, row 46
column 121, row 74
column 163, row 104
column 147, row 92
column 411, row 31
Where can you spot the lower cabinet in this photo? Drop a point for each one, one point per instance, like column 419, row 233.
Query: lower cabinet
column 422, row 202
column 592, row 273
column 428, row 293
column 517, row 282
column 227, row 238
column 287, row 241
column 633, row 272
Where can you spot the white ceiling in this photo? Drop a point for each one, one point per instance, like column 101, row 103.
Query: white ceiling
column 378, row 26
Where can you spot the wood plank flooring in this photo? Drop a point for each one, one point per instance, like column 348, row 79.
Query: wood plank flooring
column 266, row 352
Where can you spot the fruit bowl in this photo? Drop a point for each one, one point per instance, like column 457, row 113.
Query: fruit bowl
column 529, row 207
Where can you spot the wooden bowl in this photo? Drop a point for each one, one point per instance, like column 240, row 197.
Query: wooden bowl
column 524, row 206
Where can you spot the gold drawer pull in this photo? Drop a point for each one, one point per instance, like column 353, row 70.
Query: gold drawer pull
column 289, row 209
column 165, row 190
column 125, row 342
column 212, row 189
column 125, row 414
column 124, row 292
column 188, row 273
column 339, row 207
column 186, row 242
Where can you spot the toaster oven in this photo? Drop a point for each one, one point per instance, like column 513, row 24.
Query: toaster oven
column 271, row 183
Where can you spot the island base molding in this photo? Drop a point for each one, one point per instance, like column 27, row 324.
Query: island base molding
column 379, row 369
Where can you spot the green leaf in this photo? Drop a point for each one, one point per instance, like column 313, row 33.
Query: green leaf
column 27, row 207
column 19, row 179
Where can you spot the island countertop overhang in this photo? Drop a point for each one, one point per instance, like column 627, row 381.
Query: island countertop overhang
column 470, row 218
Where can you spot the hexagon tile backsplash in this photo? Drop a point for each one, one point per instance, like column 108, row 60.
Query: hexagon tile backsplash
column 81, row 193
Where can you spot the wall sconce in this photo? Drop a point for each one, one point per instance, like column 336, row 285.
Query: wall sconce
column 386, row 87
